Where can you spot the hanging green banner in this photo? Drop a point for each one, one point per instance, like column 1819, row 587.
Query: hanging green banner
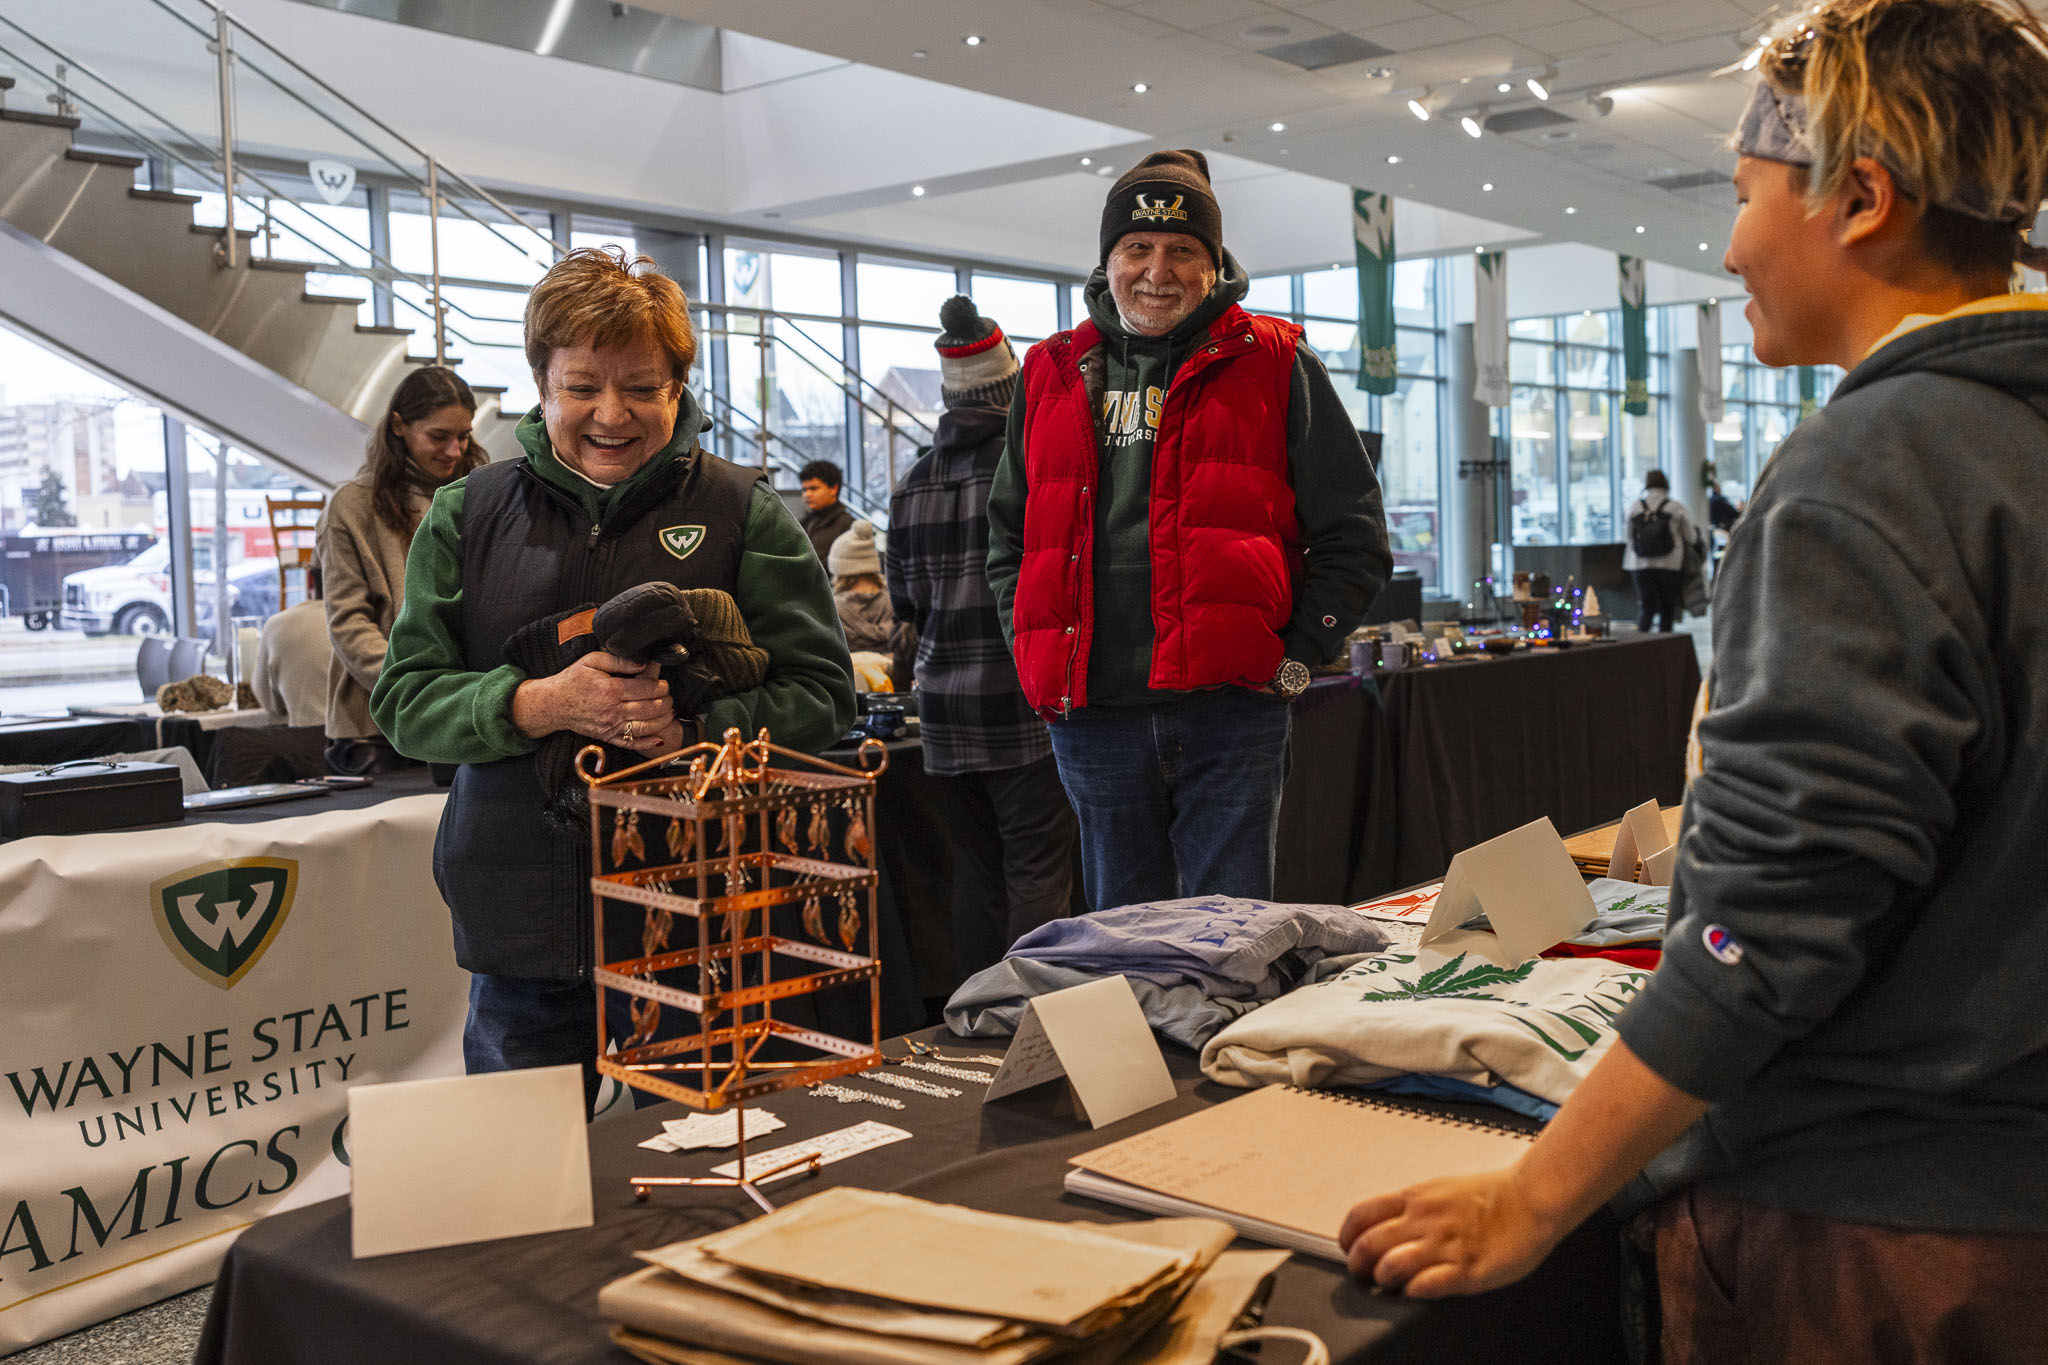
column 1372, row 228
column 1635, row 338
column 1809, row 387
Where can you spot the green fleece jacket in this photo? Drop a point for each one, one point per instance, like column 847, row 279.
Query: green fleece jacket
column 1336, row 500
column 437, row 706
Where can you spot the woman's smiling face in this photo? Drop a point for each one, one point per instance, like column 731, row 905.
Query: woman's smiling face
column 609, row 409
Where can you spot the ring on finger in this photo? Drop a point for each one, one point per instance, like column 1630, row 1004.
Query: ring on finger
column 630, row 732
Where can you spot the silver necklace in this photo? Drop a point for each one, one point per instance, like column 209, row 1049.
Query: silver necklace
column 912, row 1084
column 958, row 1073
column 844, row 1095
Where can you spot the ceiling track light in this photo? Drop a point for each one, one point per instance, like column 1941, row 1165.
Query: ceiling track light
column 1601, row 103
column 1540, row 83
column 1418, row 105
column 1474, row 124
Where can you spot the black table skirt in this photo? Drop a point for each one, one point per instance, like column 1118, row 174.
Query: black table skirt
column 1389, row 780
column 60, row 741
column 289, row 1294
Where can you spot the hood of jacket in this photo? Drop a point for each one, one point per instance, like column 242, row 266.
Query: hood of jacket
column 1996, row 342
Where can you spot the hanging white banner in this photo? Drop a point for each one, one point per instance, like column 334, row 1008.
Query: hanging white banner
column 181, row 1014
column 1490, row 329
column 1711, row 405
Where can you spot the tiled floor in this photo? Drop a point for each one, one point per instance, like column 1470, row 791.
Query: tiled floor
column 162, row 1334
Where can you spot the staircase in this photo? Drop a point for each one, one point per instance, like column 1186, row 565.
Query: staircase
column 87, row 205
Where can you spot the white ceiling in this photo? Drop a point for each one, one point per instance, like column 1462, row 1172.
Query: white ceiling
column 834, row 110
column 1210, row 87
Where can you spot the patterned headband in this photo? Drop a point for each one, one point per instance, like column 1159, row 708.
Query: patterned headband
column 1773, row 128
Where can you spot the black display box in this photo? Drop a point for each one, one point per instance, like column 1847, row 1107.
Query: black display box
column 87, row 795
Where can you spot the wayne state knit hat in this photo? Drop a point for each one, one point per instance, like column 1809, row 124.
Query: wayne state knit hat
column 977, row 368
column 1166, row 192
column 854, row 552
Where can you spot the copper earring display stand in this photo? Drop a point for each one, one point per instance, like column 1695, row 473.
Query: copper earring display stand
column 713, row 834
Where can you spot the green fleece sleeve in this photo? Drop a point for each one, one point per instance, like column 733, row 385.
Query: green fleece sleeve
column 1006, row 519
column 428, row 701
column 806, row 701
column 1337, row 505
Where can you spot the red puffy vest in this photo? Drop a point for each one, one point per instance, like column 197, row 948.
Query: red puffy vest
column 1225, row 546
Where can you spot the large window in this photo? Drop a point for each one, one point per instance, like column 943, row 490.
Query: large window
column 1760, row 406
column 1575, row 458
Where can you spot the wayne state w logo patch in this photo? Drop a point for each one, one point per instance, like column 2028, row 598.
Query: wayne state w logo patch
column 218, row 918
column 680, row 541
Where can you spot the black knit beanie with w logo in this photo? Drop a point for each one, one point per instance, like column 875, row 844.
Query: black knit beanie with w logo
column 1166, row 192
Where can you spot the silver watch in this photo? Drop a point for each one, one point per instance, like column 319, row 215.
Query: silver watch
column 1290, row 679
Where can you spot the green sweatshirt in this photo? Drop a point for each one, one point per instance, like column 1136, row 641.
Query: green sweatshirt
column 1336, row 500
column 434, row 705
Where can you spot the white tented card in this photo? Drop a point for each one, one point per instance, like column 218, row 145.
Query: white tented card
column 1096, row 1036
column 837, row 1146
column 468, row 1158
column 1526, row 885
column 1658, row 866
column 1641, row 835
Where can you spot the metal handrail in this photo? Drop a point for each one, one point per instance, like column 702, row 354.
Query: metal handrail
column 555, row 247
column 773, row 315
column 230, row 245
column 723, row 410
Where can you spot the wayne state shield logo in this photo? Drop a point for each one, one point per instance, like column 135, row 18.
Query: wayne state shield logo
column 218, row 918
column 681, row 541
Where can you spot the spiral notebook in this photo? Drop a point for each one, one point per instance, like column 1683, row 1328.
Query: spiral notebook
column 1283, row 1166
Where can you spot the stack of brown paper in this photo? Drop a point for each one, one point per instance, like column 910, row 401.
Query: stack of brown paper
column 1591, row 850
column 860, row 1276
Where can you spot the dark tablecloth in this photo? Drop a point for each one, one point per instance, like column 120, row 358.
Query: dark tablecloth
column 289, row 1294
column 1390, row 779
column 60, row 741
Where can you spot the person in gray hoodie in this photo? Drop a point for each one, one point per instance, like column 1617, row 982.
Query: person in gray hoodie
column 1832, row 1097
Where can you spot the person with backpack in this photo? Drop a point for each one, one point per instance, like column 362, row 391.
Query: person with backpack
column 1658, row 529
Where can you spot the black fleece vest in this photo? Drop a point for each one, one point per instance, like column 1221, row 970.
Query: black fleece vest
column 520, row 888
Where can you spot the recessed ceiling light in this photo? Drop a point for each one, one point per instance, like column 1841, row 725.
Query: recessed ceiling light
column 1641, row 228
column 1140, row 88
column 1276, row 127
column 920, row 54
column 917, row 191
column 1336, row 265
column 1586, row 313
column 1488, row 187
column 1393, row 160
column 1478, row 251
column 1105, row 170
column 1713, row 303
column 1506, row 87
column 1285, row 152
column 1087, row 161
column 1570, row 209
column 1540, row 83
column 1705, row 247
column 1474, row 124
column 972, row 40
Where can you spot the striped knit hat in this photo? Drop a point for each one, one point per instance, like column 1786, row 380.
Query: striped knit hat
column 977, row 368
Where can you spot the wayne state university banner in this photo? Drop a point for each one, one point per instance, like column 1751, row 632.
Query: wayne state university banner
column 181, row 1014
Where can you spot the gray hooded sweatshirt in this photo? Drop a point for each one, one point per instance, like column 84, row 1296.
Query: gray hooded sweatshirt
column 1856, row 973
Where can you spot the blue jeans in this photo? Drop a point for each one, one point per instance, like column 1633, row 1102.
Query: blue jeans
column 517, row 1022
column 1179, row 799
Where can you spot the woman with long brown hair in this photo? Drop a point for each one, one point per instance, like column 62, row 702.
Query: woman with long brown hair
column 423, row 442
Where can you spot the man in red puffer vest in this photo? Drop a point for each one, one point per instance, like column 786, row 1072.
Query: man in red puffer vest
column 1184, row 520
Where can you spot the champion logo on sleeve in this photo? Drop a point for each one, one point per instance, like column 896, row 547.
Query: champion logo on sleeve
column 1721, row 944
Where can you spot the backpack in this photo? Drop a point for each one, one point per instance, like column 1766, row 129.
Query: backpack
column 1649, row 532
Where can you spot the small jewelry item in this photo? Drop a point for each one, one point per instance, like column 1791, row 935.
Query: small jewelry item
column 654, row 932
column 958, row 1073
column 821, row 829
column 849, row 922
column 626, row 836
column 646, row 1015
column 857, row 846
column 814, row 920
column 825, row 1090
column 785, row 830
column 912, row 1084
column 680, row 837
